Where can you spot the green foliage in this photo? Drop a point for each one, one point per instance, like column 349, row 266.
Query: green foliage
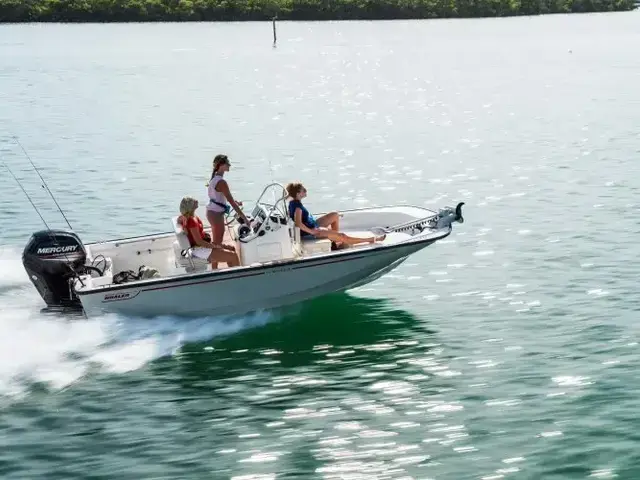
column 225, row 10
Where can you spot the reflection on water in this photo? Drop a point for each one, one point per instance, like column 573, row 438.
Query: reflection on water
column 329, row 386
column 336, row 328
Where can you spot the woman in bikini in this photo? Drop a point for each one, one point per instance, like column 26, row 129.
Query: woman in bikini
column 326, row 226
column 220, row 199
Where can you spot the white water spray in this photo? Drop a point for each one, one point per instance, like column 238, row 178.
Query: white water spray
column 58, row 351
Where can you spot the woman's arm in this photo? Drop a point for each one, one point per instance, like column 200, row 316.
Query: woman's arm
column 297, row 217
column 223, row 187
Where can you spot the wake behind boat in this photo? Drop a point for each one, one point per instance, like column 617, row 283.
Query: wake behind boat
column 277, row 267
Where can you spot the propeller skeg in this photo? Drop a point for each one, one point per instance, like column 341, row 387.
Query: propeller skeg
column 459, row 217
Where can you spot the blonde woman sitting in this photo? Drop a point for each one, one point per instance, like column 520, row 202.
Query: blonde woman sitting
column 201, row 242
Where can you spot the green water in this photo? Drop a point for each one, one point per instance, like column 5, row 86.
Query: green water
column 509, row 350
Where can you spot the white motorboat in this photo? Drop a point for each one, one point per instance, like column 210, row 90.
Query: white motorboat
column 156, row 274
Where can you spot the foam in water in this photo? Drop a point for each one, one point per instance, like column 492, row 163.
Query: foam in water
column 58, row 351
column 12, row 273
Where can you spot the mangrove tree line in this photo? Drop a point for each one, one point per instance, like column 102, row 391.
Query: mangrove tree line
column 227, row 10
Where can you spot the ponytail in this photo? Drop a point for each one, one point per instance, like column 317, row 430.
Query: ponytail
column 218, row 161
column 294, row 188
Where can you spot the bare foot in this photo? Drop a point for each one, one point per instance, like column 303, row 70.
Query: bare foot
column 379, row 238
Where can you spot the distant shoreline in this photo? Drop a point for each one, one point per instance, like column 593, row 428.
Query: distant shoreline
column 124, row 11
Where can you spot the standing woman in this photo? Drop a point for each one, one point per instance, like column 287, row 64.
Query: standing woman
column 220, row 198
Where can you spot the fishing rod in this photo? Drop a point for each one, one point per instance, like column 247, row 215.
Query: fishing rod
column 44, row 183
column 27, row 195
column 51, row 233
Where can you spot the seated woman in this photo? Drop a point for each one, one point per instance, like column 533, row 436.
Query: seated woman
column 326, row 226
column 200, row 243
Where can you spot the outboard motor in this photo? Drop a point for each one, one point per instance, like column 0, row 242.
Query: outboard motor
column 446, row 216
column 52, row 258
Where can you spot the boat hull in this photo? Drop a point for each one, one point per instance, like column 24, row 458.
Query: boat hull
column 249, row 289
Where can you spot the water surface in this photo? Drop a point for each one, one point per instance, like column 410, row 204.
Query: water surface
column 507, row 351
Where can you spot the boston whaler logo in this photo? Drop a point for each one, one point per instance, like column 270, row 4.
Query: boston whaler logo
column 48, row 250
column 116, row 297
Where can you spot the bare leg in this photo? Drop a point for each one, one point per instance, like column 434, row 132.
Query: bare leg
column 341, row 237
column 331, row 220
column 217, row 231
column 219, row 255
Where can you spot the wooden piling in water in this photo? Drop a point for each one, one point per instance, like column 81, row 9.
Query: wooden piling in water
column 275, row 38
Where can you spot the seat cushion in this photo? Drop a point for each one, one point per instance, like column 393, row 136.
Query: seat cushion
column 188, row 260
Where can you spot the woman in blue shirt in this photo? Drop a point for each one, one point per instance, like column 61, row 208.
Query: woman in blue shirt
column 326, row 226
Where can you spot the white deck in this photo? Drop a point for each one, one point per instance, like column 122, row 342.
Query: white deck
column 157, row 251
column 160, row 251
column 278, row 269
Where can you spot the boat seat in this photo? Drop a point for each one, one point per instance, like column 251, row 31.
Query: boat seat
column 315, row 245
column 310, row 246
column 182, row 250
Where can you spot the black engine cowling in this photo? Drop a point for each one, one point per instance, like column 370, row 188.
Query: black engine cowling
column 52, row 258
